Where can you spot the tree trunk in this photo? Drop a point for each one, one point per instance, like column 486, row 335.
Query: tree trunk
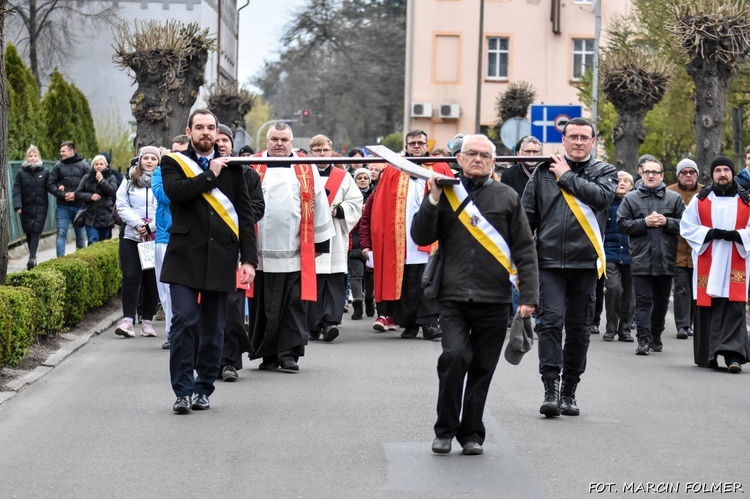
column 180, row 101
column 150, row 103
column 33, row 55
column 711, row 89
column 4, row 215
column 628, row 136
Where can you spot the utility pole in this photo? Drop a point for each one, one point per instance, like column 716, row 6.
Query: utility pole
column 595, row 76
column 480, row 58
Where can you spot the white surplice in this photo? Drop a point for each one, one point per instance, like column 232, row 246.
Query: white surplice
column 349, row 198
column 723, row 216
column 279, row 229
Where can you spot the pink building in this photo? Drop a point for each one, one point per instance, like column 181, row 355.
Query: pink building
column 547, row 43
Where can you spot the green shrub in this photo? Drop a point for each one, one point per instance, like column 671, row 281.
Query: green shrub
column 106, row 274
column 77, row 286
column 15, row 324
column 48, row 298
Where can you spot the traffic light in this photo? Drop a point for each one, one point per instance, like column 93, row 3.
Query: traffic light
column 305, row 116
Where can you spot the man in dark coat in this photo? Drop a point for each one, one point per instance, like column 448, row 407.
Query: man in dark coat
column 211, row 220
column 650, row 217
column 63, row 181
column 475, row 290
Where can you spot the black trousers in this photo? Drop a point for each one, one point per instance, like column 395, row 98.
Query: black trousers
column 136, row 283
column 651, row 304
column 599, row 305
column 566, row 299
column 196, row 326
column 236, row 340
column 413, row 308
column 618, row 298
column 473, row 336
column 684, row 305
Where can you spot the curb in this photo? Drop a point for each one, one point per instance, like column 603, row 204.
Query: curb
column 17, row 385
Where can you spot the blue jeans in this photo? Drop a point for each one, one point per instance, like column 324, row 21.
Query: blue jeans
column 96, row 234
column 64, row 216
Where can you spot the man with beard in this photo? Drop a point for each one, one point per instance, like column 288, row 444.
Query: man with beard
column 398, row 261
column 212, row 225
column 566, row 204
column 686, row 186
column 296, row 226
column 715, row 225
column 345, row 203
column 650, row 217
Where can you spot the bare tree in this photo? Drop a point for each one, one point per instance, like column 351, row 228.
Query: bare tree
column 169, row 62
column 634, row 81
column 715, row 36
column 3, row 151
column 48, row 31
column 230, row 104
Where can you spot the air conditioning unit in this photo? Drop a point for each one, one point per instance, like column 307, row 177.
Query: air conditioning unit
column 451, row 111
column 421, row 110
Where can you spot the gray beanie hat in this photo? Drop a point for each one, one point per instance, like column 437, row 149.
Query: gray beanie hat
column 227, row 131
column 686, row 163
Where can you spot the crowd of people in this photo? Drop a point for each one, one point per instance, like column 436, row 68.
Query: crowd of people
column 262, row 257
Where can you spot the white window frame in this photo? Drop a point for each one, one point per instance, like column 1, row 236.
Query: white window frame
column 499, row 53
column 583, row 54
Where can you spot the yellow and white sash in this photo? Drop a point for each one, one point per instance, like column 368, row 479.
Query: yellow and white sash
column 481, row 229
column 586, row 217
column 215, row 197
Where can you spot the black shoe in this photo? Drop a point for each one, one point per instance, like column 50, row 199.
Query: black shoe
column 551, row 405
column 594, row 329
column 330, row 333
column 472, row 449
column 626, row 337
column 410, row 332
column 608, row 336
column 289, row 366
column 431, row 332
column 643, row 348
column 200, row 402
column 441, row 445
column 657, row 345
column 314, row 335
column 568, row 405
column 690, row 331
column 370, row 307
column 682, row 333
column 270, row 365
column 31, row 263
column 229, row 374
column 357, row 314
column 166, row 345
column 182, row 406
column 734, row 368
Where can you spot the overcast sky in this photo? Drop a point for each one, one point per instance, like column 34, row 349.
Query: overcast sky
column 261, row 25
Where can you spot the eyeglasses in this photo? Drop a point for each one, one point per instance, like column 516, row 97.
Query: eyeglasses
column 416, row 144
column 688, row 172
column 283, row 140
column 532, row 152
column 320, row 151
column 651, row 172
column 485, row 156
column 576, row 138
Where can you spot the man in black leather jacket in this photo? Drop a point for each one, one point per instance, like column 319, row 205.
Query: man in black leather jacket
column 566, row 203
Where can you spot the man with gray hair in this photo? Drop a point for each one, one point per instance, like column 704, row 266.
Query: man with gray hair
column 518, row 175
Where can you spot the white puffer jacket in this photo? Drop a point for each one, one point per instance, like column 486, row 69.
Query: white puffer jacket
column 133, row 205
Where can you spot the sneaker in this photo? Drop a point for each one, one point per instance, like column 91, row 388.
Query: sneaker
column 147, row 329
column 229, row 374
column 330, row 333
column 391, row 325
column 166, row 346
column 159, row 315
column 410, row 332
column 31, row 263
column 608, row 336
column 125, row 328
column 594, row 329
column 734, row 368
column 682, row 333
column 380, row 324
column 643, row 348
column 432, row 332
column 656, row 347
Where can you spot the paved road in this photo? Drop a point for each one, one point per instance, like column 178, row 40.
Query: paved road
column 356, row 422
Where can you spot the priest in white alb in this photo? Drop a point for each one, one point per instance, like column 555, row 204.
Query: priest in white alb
column 297, row 225
column 715, row 224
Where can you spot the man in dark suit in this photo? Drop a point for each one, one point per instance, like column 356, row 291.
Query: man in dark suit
column 212, row 225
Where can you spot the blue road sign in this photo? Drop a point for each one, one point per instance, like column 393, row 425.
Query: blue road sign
column 547, row 122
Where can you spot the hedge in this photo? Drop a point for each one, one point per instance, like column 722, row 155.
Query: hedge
column 55, row 296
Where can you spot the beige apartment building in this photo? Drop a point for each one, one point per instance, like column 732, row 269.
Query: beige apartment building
column 548, row 43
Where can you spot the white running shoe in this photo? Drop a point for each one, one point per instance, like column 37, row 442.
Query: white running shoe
column 147, row 329
column 125, row 328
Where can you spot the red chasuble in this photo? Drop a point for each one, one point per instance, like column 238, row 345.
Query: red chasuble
column 388, row 229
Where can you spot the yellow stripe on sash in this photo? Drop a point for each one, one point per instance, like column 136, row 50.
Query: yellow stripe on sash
column 219, row 202
column 494, row 243
column 585, row 216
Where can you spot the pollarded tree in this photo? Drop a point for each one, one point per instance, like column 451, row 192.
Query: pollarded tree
column 58, row 109
column 715, row 37
column 230, row 104
column 634, row 81
column 513, row 103
column 169, row 62
column 24, row 106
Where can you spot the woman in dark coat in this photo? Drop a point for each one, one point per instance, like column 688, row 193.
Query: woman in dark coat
column 30, row 200
column 98, row 189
